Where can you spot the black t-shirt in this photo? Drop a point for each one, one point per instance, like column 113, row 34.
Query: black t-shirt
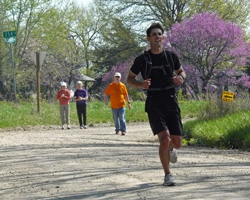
column 160, row 73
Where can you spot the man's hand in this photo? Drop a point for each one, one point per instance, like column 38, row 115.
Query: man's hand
column 178, row 80
column 145, row 84
column 129, row 106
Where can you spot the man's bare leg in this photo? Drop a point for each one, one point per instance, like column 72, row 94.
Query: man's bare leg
column 164, row 139
column 175, row 142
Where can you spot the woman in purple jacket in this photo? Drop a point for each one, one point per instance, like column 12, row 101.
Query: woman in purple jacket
column 81, row 98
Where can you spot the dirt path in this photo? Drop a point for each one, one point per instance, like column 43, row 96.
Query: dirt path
column 97, row 164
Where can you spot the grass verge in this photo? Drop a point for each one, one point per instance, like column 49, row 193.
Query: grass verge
column 25, row 113
column 228, row 131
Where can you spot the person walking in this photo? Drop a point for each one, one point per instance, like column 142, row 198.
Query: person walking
column 63, row 96
column 118, row 94
column 81, row 97
column 161, row 71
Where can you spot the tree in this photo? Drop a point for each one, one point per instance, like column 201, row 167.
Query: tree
column 21, row 16
column 122, row 68
column 87, row 26
column 233, row 10
column 64, row 58
column 141, row 13
column 207, row 45
column 115, row 43
column 40, row 25
column 144, row 12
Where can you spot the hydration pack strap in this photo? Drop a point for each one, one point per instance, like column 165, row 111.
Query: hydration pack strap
column 162, row 67
column 149, row 67
column 161, row 89
column 148, row 62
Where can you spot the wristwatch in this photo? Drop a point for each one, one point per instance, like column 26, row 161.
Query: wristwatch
column 182, row 77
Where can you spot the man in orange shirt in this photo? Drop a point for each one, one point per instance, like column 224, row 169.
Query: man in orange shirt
column 118, row 94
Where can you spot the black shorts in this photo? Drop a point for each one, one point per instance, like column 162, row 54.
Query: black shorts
column 164, row 114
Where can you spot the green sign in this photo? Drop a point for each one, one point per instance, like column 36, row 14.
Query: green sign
column 9, row 36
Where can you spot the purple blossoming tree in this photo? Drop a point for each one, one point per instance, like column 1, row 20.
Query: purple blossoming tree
column 123, row 68
column 208, row 46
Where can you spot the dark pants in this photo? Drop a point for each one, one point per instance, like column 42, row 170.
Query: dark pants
column 81, row 112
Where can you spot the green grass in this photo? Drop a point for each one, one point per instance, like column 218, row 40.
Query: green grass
column 228, row 131
column 191, row 109
column 25, row 114
column 99, row 113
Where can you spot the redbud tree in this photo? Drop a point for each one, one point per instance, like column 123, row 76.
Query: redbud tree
column 122, row 68
column 211, row 51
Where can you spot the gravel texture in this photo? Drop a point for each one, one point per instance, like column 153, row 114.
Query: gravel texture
column 94, row 163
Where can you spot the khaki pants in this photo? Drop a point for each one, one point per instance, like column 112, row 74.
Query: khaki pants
column 64, row 112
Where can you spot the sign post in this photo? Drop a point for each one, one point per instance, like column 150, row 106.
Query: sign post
column 10, row 38
column 13, row 71
column 38, row 80
column 38, row 59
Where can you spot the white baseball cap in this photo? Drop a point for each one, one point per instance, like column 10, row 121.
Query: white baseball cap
column 118, row 74
column 63, row 84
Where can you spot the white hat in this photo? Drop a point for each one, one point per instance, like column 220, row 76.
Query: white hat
column 118, row 74
column 63, row 84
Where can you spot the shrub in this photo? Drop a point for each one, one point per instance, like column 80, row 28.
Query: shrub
column 215, row 107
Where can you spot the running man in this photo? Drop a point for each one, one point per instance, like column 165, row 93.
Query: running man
column 161, row 71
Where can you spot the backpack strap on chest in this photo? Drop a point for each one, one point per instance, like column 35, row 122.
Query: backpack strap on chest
column 172, row 62
column 148, row 64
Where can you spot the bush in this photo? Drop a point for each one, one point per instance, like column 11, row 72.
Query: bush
column 215, row 107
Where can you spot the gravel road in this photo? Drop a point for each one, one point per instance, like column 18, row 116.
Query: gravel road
column 49, row 163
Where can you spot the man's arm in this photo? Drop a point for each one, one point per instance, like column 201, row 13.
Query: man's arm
column 181, row 72
column 137, row 84
column 127, row 99
column 181, row 76
column 106, row 99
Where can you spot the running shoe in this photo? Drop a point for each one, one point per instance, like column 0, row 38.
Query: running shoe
column 168, row 180
column 173, row 156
